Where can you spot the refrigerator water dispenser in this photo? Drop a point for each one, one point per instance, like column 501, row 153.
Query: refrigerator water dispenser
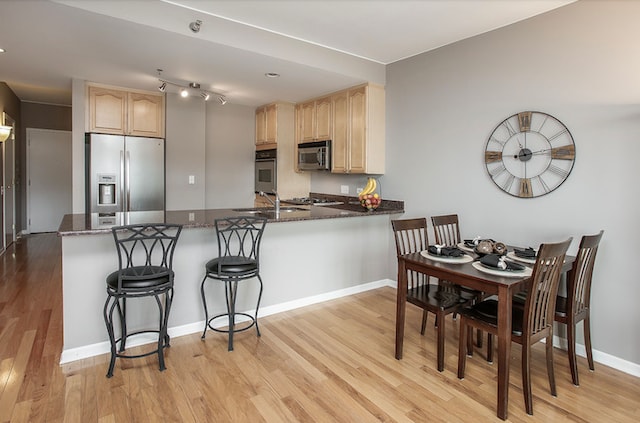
column 106, row 190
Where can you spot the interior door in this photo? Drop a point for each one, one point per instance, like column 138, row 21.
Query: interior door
column 8, row 183
column 49, row 179
column 2, row 238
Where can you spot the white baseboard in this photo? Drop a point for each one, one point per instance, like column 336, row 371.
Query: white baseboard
column 99, row 348
column 601, row 357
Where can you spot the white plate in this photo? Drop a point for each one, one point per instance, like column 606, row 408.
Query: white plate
column 464, row 247
column 504, row 273
column 513, row 256
column 463, row 259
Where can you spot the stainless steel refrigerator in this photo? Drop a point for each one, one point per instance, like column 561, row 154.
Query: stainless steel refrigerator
column 124, row 173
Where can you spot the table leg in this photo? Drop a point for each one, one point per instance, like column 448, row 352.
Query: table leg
column 504, row 349
column 401, row 306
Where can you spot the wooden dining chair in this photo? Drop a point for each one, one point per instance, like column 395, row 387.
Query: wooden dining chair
column 575, row 306
column 446, row 229
column 411, row 237
column 530, row 323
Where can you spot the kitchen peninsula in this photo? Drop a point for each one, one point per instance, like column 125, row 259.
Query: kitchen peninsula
column 308, row 255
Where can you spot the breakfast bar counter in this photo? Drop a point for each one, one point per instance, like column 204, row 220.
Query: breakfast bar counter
column 309, row 255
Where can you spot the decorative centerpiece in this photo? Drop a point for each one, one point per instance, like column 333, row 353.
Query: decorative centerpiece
column 369, row 198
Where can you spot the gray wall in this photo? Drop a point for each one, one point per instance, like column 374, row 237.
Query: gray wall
column 581, row 64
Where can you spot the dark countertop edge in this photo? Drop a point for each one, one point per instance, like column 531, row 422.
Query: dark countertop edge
column 80, row 224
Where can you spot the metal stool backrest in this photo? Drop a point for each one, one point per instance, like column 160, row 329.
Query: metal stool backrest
column 240, row 237
column 145, row 252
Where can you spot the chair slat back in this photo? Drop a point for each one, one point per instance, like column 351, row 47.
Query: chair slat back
column 411, row 237
column 446, row 229
column 240, row 236
column 543, row 287
column 579, row 281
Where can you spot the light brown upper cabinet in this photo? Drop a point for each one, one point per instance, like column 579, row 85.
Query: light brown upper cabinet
column 121, row 112
column 358, row 143
column 267, row 124
column 315, row 121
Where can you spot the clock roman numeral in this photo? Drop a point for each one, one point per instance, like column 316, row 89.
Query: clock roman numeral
column 524, row 121
column 510, row 128
column 543, row 184
column 492, row 156
column 525, row 188
column 558, row 171
column 496, row 171
column 508, row 183
column 556, row 135
column 497, row 141
column 566, row 152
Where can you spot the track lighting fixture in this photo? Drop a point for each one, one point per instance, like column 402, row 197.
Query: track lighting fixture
column 185, row 90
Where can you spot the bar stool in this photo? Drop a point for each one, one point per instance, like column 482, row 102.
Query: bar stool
column 238, row 259
column 145, row 258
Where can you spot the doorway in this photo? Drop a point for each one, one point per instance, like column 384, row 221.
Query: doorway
column 49, row 179
column 8, row 184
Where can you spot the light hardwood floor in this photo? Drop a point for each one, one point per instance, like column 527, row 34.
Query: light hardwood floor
column 331, row 362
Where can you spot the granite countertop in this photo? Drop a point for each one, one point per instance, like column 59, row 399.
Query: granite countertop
column 83, row 224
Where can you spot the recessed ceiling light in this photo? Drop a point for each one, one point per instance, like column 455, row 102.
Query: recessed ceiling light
column 272, row 75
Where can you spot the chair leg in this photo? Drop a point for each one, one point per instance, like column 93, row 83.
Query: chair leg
column 204, row 304
column 571, row 350
column 526, row 378
column 230, row 293
column 122, row 312
column 550, row 372
column 258, row 305
column 479, row 338
column 489, row 348
column 108, row 320
column 462, row 346
column 469, row 340
column 424, row 322
column 587, row 340
column 440, row 354
column 161, row 332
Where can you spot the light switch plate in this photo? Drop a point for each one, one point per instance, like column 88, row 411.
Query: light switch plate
column 344, row 189
column 192, row 179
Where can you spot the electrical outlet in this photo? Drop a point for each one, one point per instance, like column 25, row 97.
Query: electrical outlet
column 192, row 217
column 344, row 189
column 192, row 179
column 359, row 189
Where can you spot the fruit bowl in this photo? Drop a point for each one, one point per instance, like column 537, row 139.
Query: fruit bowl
column 370, row 201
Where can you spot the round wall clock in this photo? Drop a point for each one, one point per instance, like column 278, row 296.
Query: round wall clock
column 529, row 154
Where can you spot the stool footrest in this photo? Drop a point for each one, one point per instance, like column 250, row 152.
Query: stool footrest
column 244, row 325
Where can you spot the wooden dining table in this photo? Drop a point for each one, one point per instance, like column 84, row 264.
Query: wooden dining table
column 464, row 274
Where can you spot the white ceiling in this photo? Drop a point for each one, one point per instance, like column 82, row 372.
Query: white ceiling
column 316, row 46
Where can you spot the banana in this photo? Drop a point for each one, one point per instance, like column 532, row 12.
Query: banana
column 367, row 188
column 374, row 186
column 371, row 186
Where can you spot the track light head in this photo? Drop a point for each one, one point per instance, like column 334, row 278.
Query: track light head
column 222, row 99
column 205, row 95
column 184, row 92
column 163, row 87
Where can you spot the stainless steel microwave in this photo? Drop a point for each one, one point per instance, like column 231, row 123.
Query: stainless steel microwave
column 314, row 155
